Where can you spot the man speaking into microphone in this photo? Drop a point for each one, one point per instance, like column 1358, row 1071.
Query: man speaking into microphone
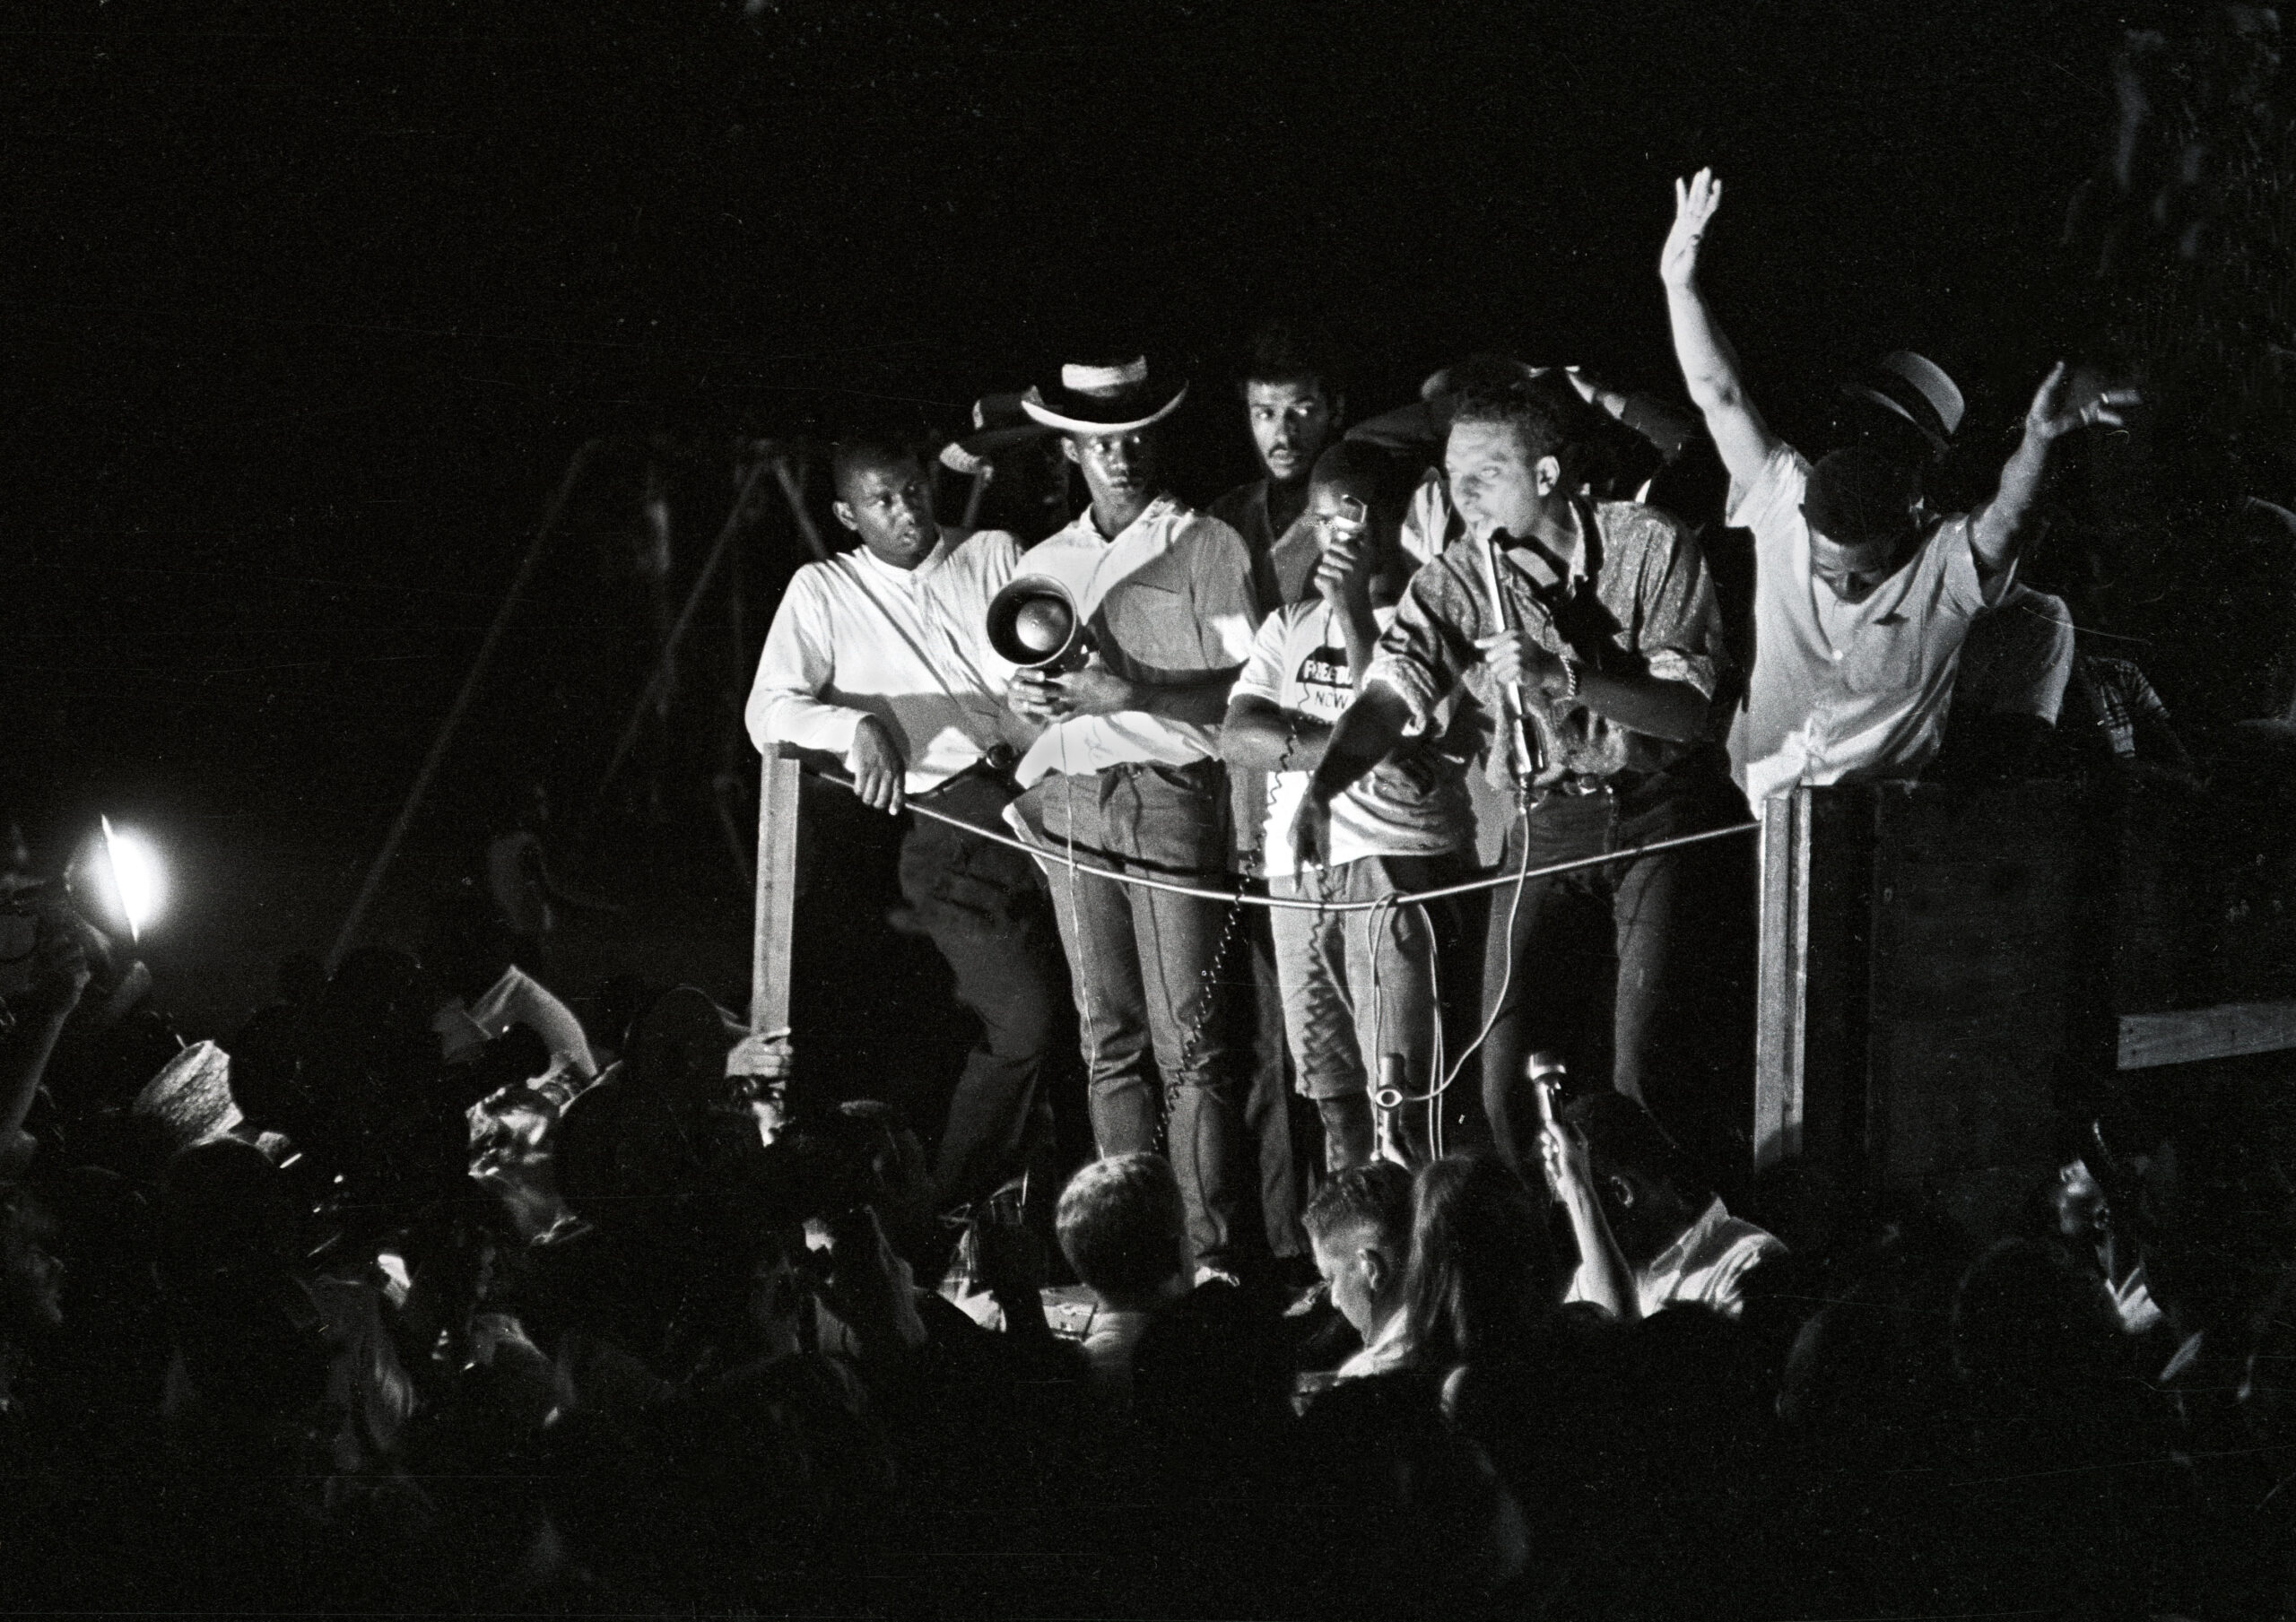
column 1612, row 638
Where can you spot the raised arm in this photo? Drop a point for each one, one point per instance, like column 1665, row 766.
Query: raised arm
column 1998, row 530
column 1710, row 365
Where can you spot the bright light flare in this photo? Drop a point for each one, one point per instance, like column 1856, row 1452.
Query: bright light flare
column 139, row 883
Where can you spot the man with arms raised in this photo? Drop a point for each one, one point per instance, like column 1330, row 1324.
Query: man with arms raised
column 1126, row 775
column 1862, row 595
column 880, row 656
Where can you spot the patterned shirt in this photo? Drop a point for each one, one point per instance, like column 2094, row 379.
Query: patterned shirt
column 2123, row 700
column 1635, row 600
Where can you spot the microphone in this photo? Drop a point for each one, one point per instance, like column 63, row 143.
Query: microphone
column 1527, row 758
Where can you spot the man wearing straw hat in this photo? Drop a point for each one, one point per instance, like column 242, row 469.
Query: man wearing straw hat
column 1587, row 630
column 1126, row 775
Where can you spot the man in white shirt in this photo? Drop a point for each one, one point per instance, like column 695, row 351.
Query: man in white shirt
column 1127, row 774
column 1683, row 1244
column 1359, row 988
column 880, row 656
column 1862, row 595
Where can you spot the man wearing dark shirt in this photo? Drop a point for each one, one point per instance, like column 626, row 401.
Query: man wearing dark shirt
column 1292, row 403
column 1612, row 636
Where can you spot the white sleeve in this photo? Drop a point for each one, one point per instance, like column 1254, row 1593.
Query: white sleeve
column 1772, row 503
column 1263, row 672
column 785, row 705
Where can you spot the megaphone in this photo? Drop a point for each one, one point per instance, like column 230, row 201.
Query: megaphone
column 1034, row 623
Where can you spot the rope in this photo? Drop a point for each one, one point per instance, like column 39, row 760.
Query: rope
column 1029, row 847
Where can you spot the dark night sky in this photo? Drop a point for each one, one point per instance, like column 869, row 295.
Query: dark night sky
column 305, row 306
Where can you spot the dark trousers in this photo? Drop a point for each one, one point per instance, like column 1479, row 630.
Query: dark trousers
column 1664, row 945
column 985, row 908
column 1145, row 966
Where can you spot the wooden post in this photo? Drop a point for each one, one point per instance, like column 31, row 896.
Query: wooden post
column 1780, row 985
column 776, row 895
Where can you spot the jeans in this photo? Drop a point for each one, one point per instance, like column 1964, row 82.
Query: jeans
column 984, row 908
column 1664, row 943
column 1144, row 966
column 1355, row 996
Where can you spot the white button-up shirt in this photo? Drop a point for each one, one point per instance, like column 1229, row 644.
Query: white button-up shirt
column 1705, row 1265
column 1846, row 691
column 1168, row 597
column 856, row 636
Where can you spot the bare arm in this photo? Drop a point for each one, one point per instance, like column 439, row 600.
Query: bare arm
column 1604, row 1277
column 1674, row 710
column 1364, row 736
column 1260, row 735
column 1710, row 365
column 1999, row 529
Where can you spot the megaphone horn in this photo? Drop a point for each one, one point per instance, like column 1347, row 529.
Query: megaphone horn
column 1034, row 623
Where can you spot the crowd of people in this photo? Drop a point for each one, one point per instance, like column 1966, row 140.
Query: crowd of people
column 420, row 1293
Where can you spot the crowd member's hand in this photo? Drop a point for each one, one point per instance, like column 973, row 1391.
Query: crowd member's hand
column 1311, row 830
column 1695, row 200
column 1569, row 1166
column 869, row 1288
column 2053, row 415
column 1514, row 656
column 760, row 1065
column 60, row 970
column 875, row 762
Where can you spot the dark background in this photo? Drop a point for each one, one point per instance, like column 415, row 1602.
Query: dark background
column 305, row 307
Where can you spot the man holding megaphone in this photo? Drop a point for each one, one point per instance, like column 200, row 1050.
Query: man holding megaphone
column 1144, row 617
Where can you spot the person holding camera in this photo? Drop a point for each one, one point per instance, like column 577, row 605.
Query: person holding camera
column 880, row 657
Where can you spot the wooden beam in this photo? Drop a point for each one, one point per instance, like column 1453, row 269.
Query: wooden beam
column 777, row 897
column 2222, row 1032
column 1780, row 983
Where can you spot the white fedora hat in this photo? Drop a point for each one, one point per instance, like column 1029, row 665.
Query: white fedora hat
column 1103, row 399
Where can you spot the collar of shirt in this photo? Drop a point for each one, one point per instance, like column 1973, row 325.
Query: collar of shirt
column 905, row 580
column 1688, row 1243
column 1537, row 560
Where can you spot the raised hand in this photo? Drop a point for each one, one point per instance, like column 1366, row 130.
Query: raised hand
column 1695, row 200
column 2052, row 416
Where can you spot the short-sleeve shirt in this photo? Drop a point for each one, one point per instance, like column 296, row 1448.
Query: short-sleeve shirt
column 1413, row 806
column 1636, row 601
column 1844, row 692
column 1166, row 599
